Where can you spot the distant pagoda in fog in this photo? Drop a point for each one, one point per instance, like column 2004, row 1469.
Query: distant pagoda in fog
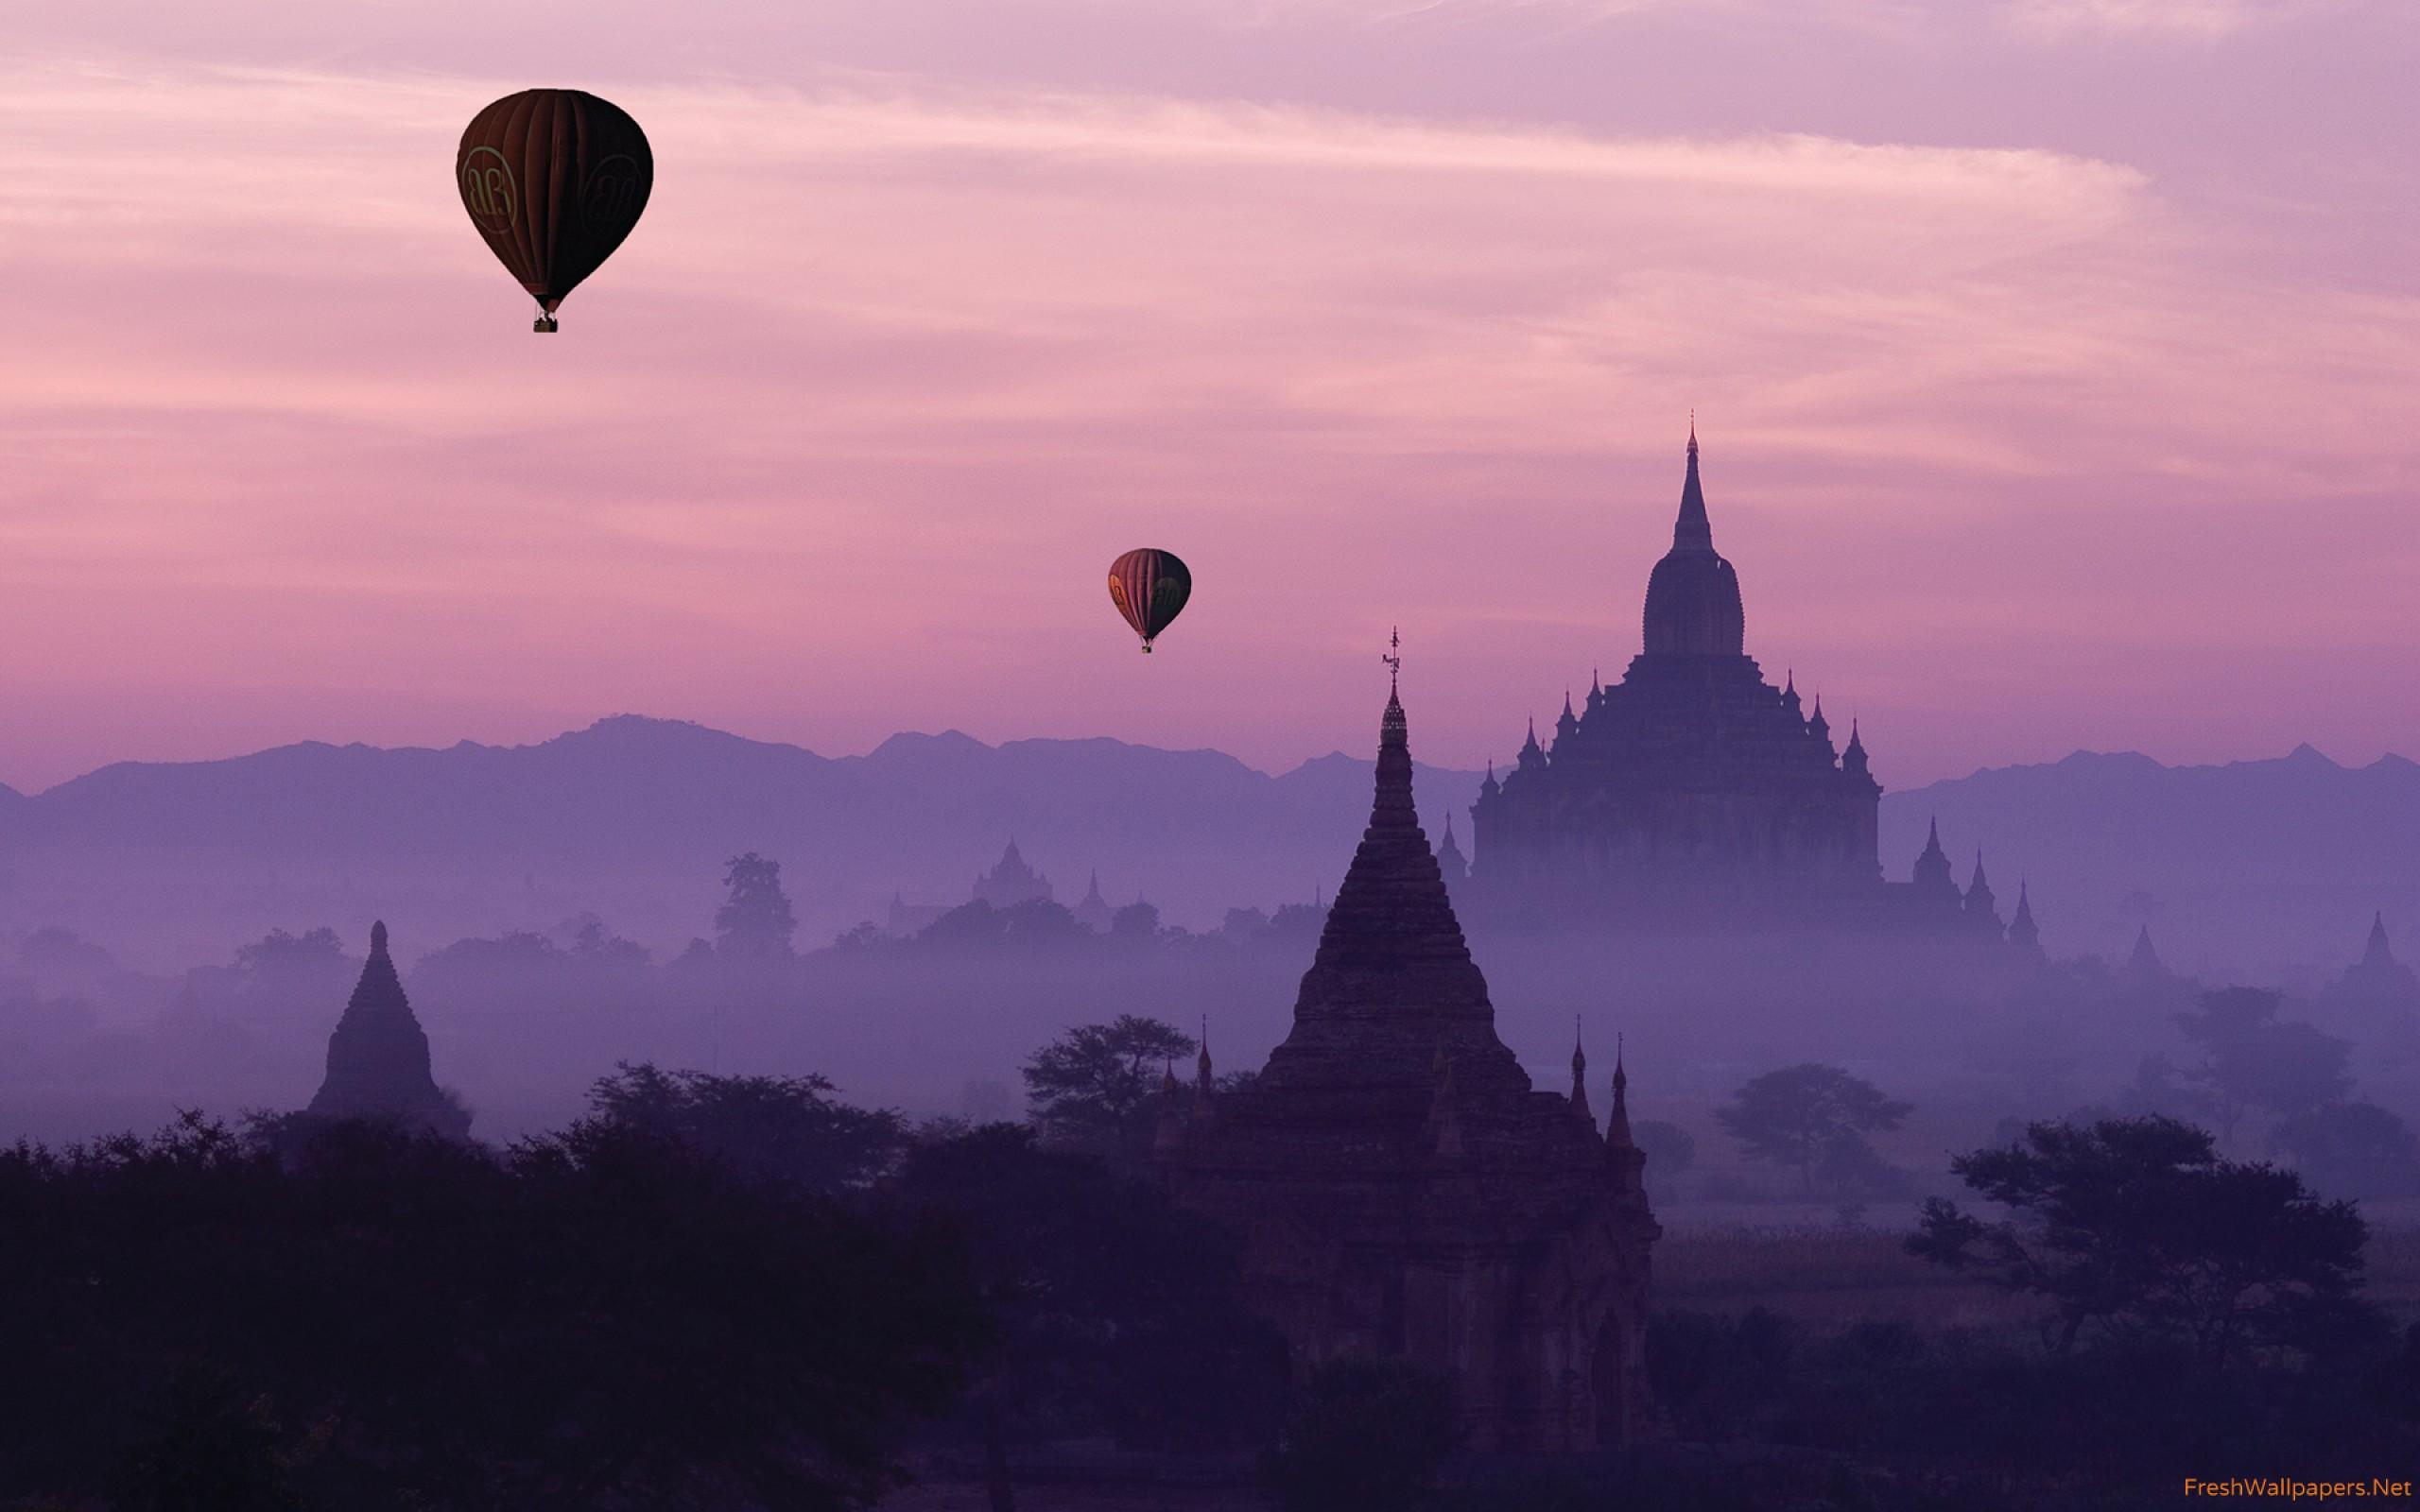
column 1695, row 791
column 1400, row 1187
column 2378, row 979
column 1095, row 912
column 378, row 1064
column 1012, row 882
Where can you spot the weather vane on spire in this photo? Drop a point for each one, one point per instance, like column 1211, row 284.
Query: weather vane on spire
column 1393, row 657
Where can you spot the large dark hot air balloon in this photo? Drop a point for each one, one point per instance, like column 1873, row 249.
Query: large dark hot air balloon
column 554, row 180
column 1150, row 587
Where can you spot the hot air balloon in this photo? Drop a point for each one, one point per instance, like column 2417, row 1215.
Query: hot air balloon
column 554, row 180
column 1150, row 587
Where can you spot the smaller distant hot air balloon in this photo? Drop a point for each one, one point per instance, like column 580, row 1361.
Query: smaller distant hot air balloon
column 1150, row 587
column 554, row 180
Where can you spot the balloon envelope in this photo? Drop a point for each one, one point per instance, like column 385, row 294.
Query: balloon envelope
column 553, row 179
column 1150, row 587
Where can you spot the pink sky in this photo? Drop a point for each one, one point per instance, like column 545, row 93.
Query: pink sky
column 2057, row 363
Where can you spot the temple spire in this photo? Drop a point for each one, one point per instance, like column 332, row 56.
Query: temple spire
column 378, row 1062
column 2022, row 931
column 1392, row 983
column 2378, row 952
column 1579, row 1074
column 1617, row 1124
column 1203, row 1083
column 1692, row 531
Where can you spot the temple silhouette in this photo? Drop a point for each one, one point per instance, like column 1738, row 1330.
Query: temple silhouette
column 1402, row 1190
column 1695, row 791
column 378, row 1065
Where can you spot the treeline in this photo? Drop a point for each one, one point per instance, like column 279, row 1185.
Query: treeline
column 737, row 1292
column 710, row 1292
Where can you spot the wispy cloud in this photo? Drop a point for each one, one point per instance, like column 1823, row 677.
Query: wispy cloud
column 877, row 331
column 2203, row 20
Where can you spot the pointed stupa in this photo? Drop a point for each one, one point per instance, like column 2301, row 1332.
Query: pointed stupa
column 2022, row 931
column 1095, row 913
column 1394, row 985
column 1853, row 760
column 2144, row 964
column 1693, row 604
column 378, row 1063
column 1568, row 723
column 2378, row 955
column 1579, row 1074
column 1204, row 1082
column 1789, row 699
column 1617, row 1123
column 1692, row 531
column 1533, row 755
column 1450, row 861
column 1932, row 866
column 1979, row 898
column 1817, row 725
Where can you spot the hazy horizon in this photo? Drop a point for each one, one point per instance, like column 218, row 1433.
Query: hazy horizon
column 1275, row 768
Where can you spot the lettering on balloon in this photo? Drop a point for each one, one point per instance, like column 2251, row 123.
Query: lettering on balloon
column 611, row 197
column 488, row 190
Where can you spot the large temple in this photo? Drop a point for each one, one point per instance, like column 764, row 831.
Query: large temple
column 1402, row 1190
column 1696, row 791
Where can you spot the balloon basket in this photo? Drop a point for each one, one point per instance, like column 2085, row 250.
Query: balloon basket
column 544, row 323
column 1147, row 648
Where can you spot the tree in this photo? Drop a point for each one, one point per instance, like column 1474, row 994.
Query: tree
column 1120, row 1313
column 1137, row 923
column 2134, row 1225
column 2251, row 1059
column 206, row 1447
column 1368, row 1435
column 2352, row 1150
column 755, row 921
column 1295, row 923
column 281, row 953
column 1242, row 926
column 1097, row 1086
column 594, row 946
column 779, row 1128
column 393, row 1322
column 1810, row 1117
